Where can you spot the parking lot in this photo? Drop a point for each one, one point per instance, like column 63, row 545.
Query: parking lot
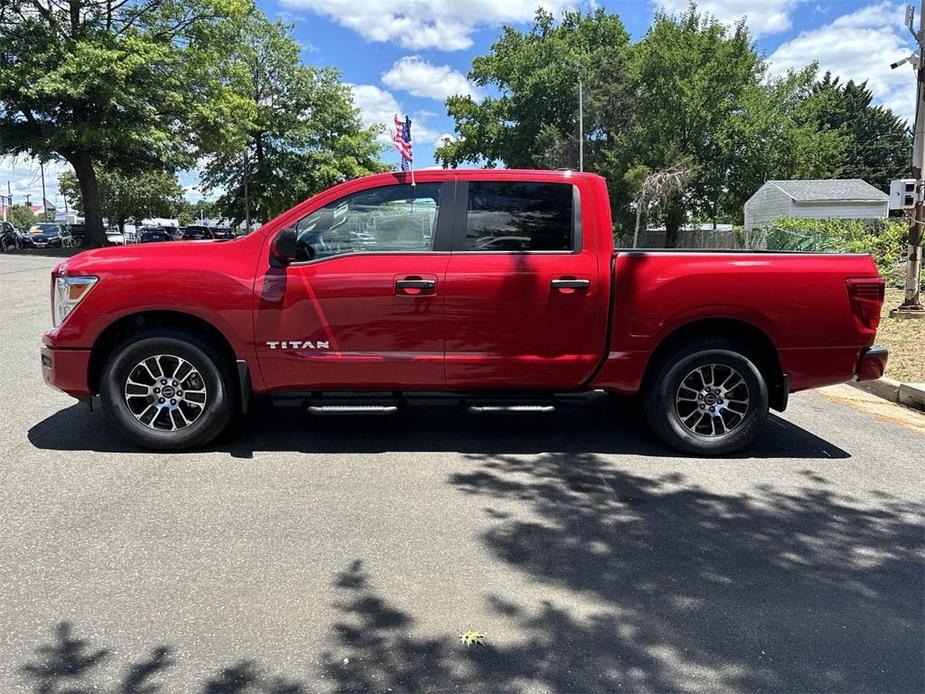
column 348, row 554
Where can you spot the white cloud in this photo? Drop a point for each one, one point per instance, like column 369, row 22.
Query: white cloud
column 416, row 76
column 378, row 107
column 24, row 177
column 764, row 16
column 443, row 24
column 859, row 46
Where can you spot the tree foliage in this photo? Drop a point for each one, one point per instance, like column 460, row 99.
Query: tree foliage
column 114, row 83
column 533, row 121
column 191, row 212
column 21, row 217
column 128, row 196
column 691, row 92
column 304, row 133
column 876, row 142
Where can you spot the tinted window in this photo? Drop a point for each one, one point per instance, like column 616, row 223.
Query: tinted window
column 390, row 218
column 517, row 216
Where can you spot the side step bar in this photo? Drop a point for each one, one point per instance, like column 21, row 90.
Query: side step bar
column 512, row 408
column 389, row 402
column 352, row 409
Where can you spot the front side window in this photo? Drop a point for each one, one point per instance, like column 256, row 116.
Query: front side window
column 399, row 218
column 519, row 216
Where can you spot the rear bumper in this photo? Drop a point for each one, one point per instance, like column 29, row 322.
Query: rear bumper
column 871, row 363
column 67, row 370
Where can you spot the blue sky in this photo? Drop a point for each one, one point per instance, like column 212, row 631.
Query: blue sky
column 408, row 55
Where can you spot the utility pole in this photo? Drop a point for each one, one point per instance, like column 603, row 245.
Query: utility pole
column 45, row 199
column 912, row 306
column 581, row 121
column 247, row 204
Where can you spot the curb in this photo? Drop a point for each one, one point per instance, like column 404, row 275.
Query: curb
column 909, row 394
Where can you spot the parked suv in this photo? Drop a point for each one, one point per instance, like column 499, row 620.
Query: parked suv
column 153, row 235
column 50, row 235
column 10, row 238
column 196, row 233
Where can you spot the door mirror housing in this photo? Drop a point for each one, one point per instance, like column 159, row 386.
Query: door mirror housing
column 284, row 248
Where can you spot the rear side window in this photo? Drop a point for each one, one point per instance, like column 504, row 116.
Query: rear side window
column 519, row 216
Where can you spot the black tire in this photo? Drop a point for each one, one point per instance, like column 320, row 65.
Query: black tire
column 672, row 419
column 216, row 380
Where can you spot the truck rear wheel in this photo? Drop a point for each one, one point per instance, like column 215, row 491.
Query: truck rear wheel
column 164, row 391
column 707, row 398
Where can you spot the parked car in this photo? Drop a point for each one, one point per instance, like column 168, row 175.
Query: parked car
column 10, row 238
column 223, row 233
column 196, row 233
column 153, row 235
column 50, row 235
column 78, row 233
column 115, row 237
column 411, row 303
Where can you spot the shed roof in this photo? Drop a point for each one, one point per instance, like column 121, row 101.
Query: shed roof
column 831, row 190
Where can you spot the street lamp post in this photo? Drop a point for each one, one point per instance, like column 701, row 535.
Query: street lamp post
column 581, row 121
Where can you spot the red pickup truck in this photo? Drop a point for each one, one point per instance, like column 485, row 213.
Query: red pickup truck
column 499, row 290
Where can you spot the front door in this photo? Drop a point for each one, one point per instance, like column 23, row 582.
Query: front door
column 526, row 294
column 364, row 305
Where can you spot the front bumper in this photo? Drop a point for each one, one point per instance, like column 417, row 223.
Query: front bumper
column 871, row 363
column 67, row 370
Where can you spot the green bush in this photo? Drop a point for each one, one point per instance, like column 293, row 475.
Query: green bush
column 884, row 239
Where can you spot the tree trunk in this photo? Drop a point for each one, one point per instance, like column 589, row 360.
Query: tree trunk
column 674, row 218
column 90, row 196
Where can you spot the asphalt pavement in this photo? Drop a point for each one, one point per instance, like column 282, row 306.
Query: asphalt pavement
column 348, row 554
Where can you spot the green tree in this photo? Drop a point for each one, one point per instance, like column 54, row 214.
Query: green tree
column 21, row 217
column 765, row 138
column 123, row 197
column 877, row 143
column 533, row 119
column 120, row 83
column 305, row 134
column 192, row 212
column 692, row 93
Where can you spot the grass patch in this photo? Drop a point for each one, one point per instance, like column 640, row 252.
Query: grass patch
column 906, row 341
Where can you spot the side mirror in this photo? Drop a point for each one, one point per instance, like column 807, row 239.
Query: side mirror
column 284, row 248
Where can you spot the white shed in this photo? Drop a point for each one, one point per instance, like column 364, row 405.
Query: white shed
column 849, row 198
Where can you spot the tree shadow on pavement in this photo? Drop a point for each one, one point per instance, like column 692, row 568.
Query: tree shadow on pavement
column 645, row 584
column 603, row 425
column 68, row 660
column 807, row 590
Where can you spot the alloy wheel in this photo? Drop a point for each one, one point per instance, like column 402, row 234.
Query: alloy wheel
column 712, row 400
column 165, row 392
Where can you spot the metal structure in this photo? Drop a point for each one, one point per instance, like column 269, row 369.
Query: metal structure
column 912, row 300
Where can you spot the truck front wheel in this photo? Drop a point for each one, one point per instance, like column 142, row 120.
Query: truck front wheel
column 707, row 398
column 163, row 390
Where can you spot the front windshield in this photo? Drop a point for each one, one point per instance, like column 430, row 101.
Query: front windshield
column 44, row 229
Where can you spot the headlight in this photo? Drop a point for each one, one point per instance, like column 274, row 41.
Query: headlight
column 69, row 291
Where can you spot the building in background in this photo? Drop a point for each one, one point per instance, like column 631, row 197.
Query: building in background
column 815, row 199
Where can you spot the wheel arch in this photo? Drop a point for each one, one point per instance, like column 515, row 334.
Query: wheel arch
column 755, row 341
column 135, row 323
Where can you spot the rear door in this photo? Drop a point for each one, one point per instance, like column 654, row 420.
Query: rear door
column 525, row 295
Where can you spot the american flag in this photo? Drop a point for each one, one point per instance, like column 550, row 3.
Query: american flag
column 401, row 138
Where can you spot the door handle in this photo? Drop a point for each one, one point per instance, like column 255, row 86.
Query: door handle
column 416, row 284
column 571, row 284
